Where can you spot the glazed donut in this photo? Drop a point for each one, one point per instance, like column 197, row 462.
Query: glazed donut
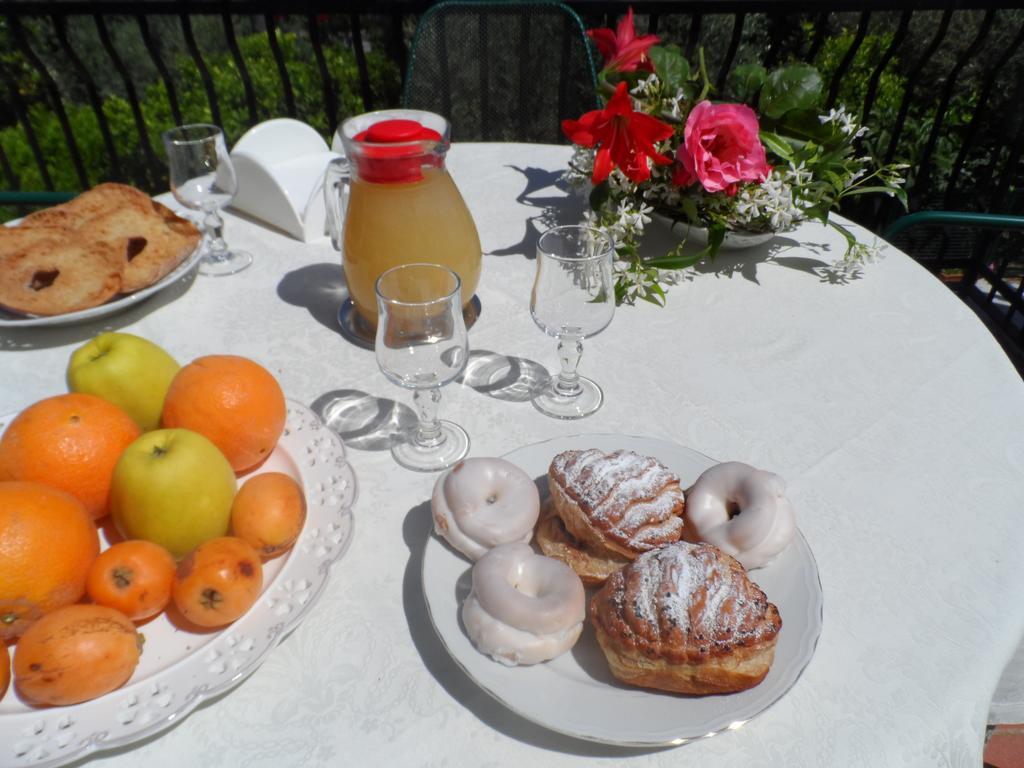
column 480, row 503
column 524, row 608
column 741, row 510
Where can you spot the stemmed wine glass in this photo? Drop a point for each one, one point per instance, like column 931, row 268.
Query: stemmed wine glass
column 422, row 345
column 573, row 298
column 203, row 179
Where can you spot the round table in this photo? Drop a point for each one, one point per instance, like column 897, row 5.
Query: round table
column 890, row 411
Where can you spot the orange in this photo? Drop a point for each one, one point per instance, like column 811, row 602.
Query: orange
column 133, row 577
column 71, row 442
column 5, row 669
column 47, row 544
column 268, row 512
column 234, row 402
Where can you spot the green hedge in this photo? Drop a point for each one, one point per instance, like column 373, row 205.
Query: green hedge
column 307, row 88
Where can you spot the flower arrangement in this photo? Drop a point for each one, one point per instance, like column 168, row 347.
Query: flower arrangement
column 661, row 146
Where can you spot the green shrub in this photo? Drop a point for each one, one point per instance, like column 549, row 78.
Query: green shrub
column 136, row 167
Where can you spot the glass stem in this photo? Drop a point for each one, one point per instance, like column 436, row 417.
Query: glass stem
column 214, row 226
column 570, row 350
column 428, row 431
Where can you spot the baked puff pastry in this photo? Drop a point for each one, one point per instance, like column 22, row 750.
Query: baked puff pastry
column 686, row 618
column 610, row 509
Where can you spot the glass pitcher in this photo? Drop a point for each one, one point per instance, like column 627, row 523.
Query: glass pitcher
column 391, row 202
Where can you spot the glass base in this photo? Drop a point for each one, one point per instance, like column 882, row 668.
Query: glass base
column 357, row 330
column 228, row 263
column 453, row 448
column 551, row 403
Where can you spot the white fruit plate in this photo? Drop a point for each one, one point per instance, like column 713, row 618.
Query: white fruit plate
column 179, row 668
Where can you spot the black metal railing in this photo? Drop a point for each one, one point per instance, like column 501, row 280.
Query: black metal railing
column 947, row 59
column 87, row 87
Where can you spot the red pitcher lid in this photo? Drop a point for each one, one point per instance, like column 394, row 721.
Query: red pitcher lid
column 390, row 152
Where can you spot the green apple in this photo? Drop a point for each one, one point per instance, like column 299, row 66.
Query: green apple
column 172, row 487
column 131, row 372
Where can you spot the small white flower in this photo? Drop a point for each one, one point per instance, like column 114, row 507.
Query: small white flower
column 846, row 122
column 848, row 125
column 646, row 87
column 862, row 253
column 855, row 176
column 832, row 116
column 799, row 175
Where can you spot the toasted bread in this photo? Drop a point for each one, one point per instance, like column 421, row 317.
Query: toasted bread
column 51, row 273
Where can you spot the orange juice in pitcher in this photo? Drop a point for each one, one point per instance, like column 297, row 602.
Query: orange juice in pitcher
column 391, row 202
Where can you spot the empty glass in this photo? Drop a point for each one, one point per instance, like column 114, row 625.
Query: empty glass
column 203, row 179
column 422, row 345
column 573, row 298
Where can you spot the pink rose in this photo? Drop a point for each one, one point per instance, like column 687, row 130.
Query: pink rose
column 721, row 148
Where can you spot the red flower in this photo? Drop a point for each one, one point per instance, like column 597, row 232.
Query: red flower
column 624, row 138
column 623, row 51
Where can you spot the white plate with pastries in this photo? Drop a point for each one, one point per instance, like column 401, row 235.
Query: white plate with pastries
column 575, row 693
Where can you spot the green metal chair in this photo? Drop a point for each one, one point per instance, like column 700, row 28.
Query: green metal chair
column 980, row 256
column 502, row 71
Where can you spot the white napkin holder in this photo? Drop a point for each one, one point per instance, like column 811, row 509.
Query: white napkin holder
column 280, row 167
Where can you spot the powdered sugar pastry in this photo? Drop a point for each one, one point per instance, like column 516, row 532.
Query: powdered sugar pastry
column 634, row 499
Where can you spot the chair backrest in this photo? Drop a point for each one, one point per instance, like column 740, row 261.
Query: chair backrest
column 502, row 71
column 979, row 256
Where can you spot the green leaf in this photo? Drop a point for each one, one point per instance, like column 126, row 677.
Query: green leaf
column 671, row 66
column 620, row 292
column 819, row 212
column 691, row 90
column 869, row 190
column 716, row 235
column 745, row 81
column 689, row 208
column 777, row 145
column 797, row 86
column 655, row 295
column 670, row 261
column 801, row 124
column 847, row 234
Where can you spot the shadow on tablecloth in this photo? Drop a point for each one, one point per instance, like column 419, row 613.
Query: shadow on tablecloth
column 415, row 530
column 320, row 288
column 363, row 421
column 503, row 377
column 553, row 208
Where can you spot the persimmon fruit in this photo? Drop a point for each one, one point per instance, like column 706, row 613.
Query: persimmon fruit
column 75, row 654
column 133, row 577
column 218, row 581
column 268, row 512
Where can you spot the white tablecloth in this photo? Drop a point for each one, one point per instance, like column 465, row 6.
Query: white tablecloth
column 890, row 411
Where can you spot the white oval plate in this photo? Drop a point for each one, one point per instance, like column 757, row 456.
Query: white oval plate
column 178, row 668
column 576, row 694
column 122, row 302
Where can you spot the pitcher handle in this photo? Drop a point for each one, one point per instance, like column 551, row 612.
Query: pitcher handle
column 336, row 190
